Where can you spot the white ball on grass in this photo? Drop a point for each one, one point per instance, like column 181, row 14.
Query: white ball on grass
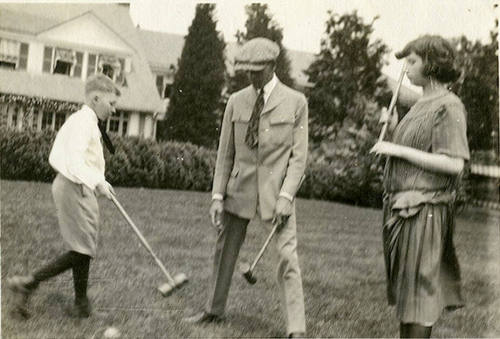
column 112, row 332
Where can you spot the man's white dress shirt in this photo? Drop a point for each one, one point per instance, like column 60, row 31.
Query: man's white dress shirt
column 77, row 151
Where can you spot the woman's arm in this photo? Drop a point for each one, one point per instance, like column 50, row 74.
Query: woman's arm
column 429, row 161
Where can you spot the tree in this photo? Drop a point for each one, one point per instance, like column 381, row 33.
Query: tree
column 198, row 83
column 347, row 68
column 260, row 23
column 478, row 89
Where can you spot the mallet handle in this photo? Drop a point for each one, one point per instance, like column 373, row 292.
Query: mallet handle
column 171, row 281
column 264, row 246
column 394, row 99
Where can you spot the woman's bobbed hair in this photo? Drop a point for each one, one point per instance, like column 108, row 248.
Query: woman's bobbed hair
column 437, row 54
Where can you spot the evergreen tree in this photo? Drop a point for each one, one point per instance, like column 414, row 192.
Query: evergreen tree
column 260, row 23
column 198, row 83
column 347, row 71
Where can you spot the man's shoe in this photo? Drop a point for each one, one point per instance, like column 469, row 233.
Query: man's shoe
column 19, row 285
column 297, row 335
column 81, row 309
column 202, row 318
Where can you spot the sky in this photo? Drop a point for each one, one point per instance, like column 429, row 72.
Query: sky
column 303, row 21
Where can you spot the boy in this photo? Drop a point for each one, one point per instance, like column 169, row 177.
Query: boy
column 77, row 156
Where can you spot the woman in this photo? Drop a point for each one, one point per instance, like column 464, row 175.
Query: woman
column 425, row 160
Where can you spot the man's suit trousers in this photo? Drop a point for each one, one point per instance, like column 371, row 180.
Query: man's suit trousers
column 288, row 273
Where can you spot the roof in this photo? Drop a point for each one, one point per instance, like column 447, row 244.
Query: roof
column 161, row 49
column 30, row 18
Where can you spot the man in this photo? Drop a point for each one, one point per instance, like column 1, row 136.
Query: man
column 77, row 156
column 260, row 163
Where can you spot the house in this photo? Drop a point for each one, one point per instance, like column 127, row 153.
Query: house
column 48, row 50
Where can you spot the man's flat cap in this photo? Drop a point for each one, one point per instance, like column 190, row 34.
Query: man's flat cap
column 255, row 54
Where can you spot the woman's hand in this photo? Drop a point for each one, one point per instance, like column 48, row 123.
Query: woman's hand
column 387, row 148
column 391, row 119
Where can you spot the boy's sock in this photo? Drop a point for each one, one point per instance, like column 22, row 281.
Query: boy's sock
column 54, row 268
column 80, row 277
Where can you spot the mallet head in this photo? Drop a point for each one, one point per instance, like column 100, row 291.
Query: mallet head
column 180, row 279
column 167, row 289
column 247, row 273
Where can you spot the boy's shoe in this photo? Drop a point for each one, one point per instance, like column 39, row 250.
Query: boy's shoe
column 19, row 285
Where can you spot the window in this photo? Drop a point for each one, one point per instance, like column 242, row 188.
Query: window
column 92, row 64
column 7, row 65
column 77, row 71
column 23, row 56
column 125, row 123
column 35, row 118
column 64, row 59
column 118, row 123
column 159, row 84
column 13, row 54
column 168, row 91
column 111, row 66
column 108, row 70
column 114, row 123
column 62, row 67
column 15, row 117
column 47, row 59
column 47, row 119
column 60, row 119
column 120, row 78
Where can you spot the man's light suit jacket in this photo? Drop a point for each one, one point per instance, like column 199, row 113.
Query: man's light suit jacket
column 245, row 176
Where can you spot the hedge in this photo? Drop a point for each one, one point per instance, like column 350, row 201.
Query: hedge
column 184, row 166
column 136, row 162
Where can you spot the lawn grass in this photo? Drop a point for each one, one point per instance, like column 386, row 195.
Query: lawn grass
column 340, row 251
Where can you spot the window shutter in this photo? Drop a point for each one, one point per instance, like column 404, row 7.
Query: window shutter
column 23, row 56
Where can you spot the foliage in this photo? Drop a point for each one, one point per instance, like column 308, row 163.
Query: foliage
column 260, row 23
column 25, row 154
column 198, row 84
column 478, row 89
column 174, row 165
column 348, row 67
column 342, row 169
column 137, row 162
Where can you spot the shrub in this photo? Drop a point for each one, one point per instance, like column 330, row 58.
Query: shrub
column 136, row 162
column 24, row 155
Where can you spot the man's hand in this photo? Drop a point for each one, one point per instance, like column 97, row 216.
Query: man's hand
column 104, row 188
column 282, row 211
column 216, row 210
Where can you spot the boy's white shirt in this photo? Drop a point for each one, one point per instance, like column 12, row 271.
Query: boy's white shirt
column 77, row 150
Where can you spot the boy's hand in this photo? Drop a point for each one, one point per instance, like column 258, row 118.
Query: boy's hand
column 104, row 188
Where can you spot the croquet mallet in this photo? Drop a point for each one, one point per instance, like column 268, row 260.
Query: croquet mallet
column 172, row 283
column 246, row 269
column 394, row 99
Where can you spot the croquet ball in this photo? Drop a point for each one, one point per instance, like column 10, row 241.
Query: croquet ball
column 244, row 267
column 112, row 332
